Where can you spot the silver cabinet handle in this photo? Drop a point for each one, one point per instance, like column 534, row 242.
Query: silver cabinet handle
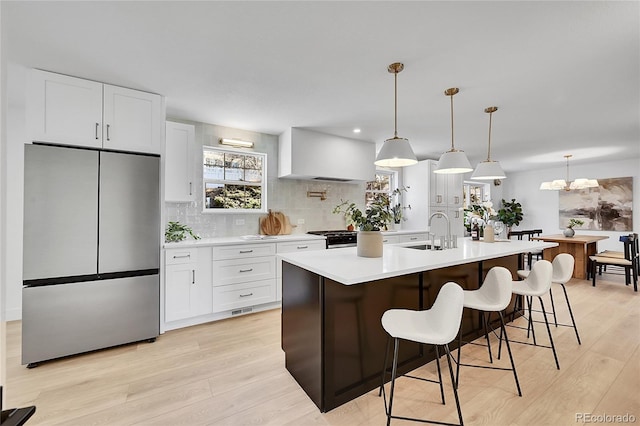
column 108, row 125
column 413, row 238
column 190, row 190
column 246, row 295
column 246, row 251
column 97, row 125
column 193, row 276
column 456, row 200
column 246, row 270
column 302, row 247
column 438, row 199
column 182, row 256
column 385, row 241
column 457, row 214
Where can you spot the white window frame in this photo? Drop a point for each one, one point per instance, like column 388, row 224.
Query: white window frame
column 262, row 184
column 393, row 184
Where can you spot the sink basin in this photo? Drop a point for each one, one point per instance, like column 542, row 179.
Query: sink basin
column 423, row 247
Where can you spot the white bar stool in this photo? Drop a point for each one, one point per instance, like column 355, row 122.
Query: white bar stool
column 437, row 326
column 537, row 284
column 562, row 271
column 494, row 295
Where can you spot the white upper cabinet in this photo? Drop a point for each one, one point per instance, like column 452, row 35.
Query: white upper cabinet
column 131, row 120
column 179, row 164
column 72, row 111
column 65, row 110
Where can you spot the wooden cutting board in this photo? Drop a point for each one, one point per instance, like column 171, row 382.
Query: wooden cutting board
column 284, row 221
column 270, row 224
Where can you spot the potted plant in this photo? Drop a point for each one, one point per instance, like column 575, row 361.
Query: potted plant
column 397, row 210
column 510, row 214
column 177, row 232
column 569, row 232
column 369, row 223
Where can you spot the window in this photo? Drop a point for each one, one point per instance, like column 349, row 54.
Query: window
column 475, row 193
column 381, row 188
column 233, row 180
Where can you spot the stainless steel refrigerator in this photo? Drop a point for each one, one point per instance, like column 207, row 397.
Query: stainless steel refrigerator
column 91, row 251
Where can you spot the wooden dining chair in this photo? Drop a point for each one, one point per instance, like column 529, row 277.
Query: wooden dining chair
column 630, row 261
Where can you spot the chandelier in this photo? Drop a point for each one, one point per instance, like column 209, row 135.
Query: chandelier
column 567, row 185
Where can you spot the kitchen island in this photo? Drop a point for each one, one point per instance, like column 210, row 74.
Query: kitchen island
column 332, row 302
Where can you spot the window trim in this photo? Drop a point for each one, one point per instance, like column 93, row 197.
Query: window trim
column 393, row 184
column 263, row 184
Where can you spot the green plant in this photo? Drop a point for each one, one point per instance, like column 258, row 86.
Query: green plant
column 511, row 213
column 177, row 232
column 575, row 222
column 375, row 217
column 396, row 209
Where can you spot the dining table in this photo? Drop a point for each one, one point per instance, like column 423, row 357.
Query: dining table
column 579, row 246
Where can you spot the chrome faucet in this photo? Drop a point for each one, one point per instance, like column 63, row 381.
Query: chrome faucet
column 448, row 243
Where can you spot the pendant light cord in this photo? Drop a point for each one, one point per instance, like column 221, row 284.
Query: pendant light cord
column 395, row 105
column 452, row 147
column 489, row 150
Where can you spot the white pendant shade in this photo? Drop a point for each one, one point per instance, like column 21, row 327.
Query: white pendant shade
column 452, row 162
column 396, row 152
column 488, row 170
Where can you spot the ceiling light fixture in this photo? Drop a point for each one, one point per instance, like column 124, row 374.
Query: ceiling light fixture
column 356, row 130
column 567, row 185
column 489, row 169
column 453, row 161
column 236, row 142
column 396, row 152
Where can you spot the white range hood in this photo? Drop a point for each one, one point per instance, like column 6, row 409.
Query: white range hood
column 305, row 154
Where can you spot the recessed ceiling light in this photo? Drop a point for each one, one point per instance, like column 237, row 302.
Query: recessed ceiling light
column 356, row 130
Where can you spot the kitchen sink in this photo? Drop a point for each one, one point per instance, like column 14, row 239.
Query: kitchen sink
column 423, row 247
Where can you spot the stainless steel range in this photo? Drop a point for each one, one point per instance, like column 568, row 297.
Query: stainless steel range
column 337, row 239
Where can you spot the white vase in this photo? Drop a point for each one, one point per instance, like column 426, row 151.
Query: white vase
column 369, row 244
column 489, row 235
column 569, row 232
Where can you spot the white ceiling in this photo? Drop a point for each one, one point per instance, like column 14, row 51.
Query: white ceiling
column 565, row 75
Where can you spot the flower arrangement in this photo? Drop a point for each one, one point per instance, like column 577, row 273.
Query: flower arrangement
column 480, row 213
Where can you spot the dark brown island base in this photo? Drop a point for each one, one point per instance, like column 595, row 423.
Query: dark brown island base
column 332, row 337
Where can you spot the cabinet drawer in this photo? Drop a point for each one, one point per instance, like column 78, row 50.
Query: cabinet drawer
column 243, row 250
column 243, row 270
column 301, row 246
column 414, row 237
column 236, row 296
column 386, row 239
column 180, row 256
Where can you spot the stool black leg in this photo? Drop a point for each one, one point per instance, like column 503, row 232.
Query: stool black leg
column 573, row 321
column 440, row 374
column 458, row 363
column 553, row 347
column 384, row 366
column 455, row 391
column 394, row 370
column 503, row 331
column 486, row 336
column 553, row 306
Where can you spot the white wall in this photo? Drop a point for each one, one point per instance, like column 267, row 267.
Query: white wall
column 3, row 180
column 541, row 207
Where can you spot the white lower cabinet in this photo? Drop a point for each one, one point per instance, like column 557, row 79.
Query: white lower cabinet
column 291, row 247
column 390, row 239
column 188, row 291
column 244, row 275
column 407, row 238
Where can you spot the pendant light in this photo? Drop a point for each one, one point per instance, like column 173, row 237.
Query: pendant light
column 561, row 184
column 489, row 169
column 396, row 152
column 453, row 161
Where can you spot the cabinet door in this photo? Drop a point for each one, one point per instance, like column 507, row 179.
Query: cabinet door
column 179, row 162
column 438, row 186
column 456, row 216
column 64, row 110
column 202, row 292
column 132, row 120
column 180, row 280
column 416, row 177
column 454, row 190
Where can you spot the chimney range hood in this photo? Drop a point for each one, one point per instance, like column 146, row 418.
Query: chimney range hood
column 310, row 155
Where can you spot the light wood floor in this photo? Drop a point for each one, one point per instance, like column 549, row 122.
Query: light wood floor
column 232, row 373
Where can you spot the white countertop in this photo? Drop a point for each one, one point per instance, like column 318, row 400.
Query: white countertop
column 344, row 266
column 245, row 239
